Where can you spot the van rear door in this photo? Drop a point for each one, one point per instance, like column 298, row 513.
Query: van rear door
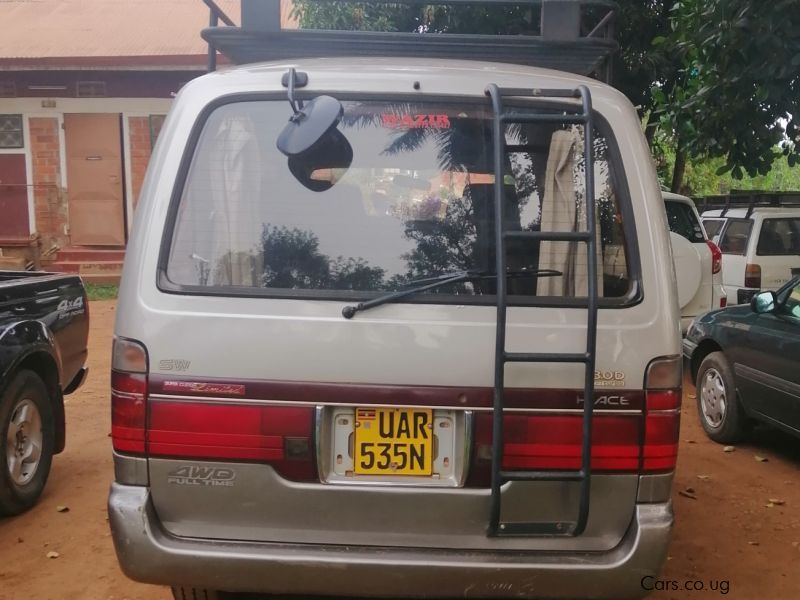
column 271, row 417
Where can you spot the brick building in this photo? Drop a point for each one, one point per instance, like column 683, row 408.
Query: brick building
column 84, row 88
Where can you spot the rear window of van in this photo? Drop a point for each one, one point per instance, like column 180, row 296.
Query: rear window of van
column 415, row 203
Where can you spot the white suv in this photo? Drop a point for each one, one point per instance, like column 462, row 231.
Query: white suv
column 760, row 247
column 698, row 260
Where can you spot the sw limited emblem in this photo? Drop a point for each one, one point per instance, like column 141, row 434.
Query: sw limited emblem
column 208, row 476
column 174, row 364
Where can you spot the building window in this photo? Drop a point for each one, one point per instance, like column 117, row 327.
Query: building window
column 8, row 89
column 91, row 89
column 11, row 131
column 156, row 122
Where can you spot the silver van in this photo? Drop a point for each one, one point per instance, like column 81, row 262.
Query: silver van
column 319, row 384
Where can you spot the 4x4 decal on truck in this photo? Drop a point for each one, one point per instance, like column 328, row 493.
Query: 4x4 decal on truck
column 70, row 307
column 197, row 475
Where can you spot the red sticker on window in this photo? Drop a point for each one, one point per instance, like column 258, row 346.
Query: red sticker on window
column 415, row 121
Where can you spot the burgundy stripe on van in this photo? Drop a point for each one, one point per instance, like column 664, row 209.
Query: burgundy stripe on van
column 364, row 394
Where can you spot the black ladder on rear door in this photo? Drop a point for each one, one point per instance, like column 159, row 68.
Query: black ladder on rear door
column 589, row 237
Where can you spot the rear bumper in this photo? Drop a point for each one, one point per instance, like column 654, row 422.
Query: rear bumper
column 147, row 553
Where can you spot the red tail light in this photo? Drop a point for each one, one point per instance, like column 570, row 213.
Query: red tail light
column 752, row 276
column 723, row 302
column 128, row 396
column 662, row 414
column 716, row 257
column 639, row 442
column 278, row 435
column 550, row 442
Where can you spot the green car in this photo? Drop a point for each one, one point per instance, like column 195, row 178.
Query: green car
column 745, row 361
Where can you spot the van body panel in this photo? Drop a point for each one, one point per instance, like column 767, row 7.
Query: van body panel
column 234, row 338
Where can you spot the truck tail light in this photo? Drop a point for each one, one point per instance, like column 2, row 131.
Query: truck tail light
column 640, row 442
column 662, row 414
column 752, row 276
column 716, row 257
column 278, row 435
column 128, row 396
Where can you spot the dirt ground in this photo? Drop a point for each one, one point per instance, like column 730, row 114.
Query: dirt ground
column 729, row 537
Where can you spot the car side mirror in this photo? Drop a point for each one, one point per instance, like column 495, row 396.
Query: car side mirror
column 764, row 302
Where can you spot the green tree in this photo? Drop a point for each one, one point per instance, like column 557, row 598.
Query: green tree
column 715, row 78
column 292, row 260
column 738, row 94
column 702, row 178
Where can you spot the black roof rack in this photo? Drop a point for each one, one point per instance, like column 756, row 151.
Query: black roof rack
column 750, row 199
column 575, row 36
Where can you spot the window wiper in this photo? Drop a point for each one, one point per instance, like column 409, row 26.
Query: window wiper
column 348, row 312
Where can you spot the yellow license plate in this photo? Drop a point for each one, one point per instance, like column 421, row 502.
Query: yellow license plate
column 394, row 441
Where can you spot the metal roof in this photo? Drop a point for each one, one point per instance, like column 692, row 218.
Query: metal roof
column 48, row 33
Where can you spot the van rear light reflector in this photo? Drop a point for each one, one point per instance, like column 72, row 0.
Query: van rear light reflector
column 128, row 396
column 554, row 442
column 128, row 411
column 278, row 435
column 663, row 395
column 752, row 276
column 663, row 400
column 662, row 429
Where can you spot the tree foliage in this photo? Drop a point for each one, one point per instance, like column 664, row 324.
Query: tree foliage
column 378, row 16
column 720, row 79
column 738, row 95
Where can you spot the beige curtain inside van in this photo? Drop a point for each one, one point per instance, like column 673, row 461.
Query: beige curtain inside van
column 564, row 210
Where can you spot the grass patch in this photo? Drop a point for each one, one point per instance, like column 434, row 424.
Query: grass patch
column 101, row 291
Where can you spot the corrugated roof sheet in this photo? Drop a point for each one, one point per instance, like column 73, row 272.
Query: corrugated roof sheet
column 93, row 29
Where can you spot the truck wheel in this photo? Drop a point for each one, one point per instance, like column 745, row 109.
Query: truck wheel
column 26, row 442
column 720, row 414
column 182, row 593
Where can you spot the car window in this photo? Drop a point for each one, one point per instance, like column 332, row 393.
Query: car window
column 683, row 221
column 735, row 237
column 790, row 305
column 713, row 226
column 416, row 202
column 779, row 237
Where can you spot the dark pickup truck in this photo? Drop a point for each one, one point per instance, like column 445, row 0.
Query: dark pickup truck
column 44, row 327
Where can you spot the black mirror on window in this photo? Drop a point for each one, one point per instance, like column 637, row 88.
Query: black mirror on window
column 317, row 150
column 764, row 302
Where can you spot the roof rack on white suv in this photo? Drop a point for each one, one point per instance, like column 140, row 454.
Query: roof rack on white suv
column 750, row 199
